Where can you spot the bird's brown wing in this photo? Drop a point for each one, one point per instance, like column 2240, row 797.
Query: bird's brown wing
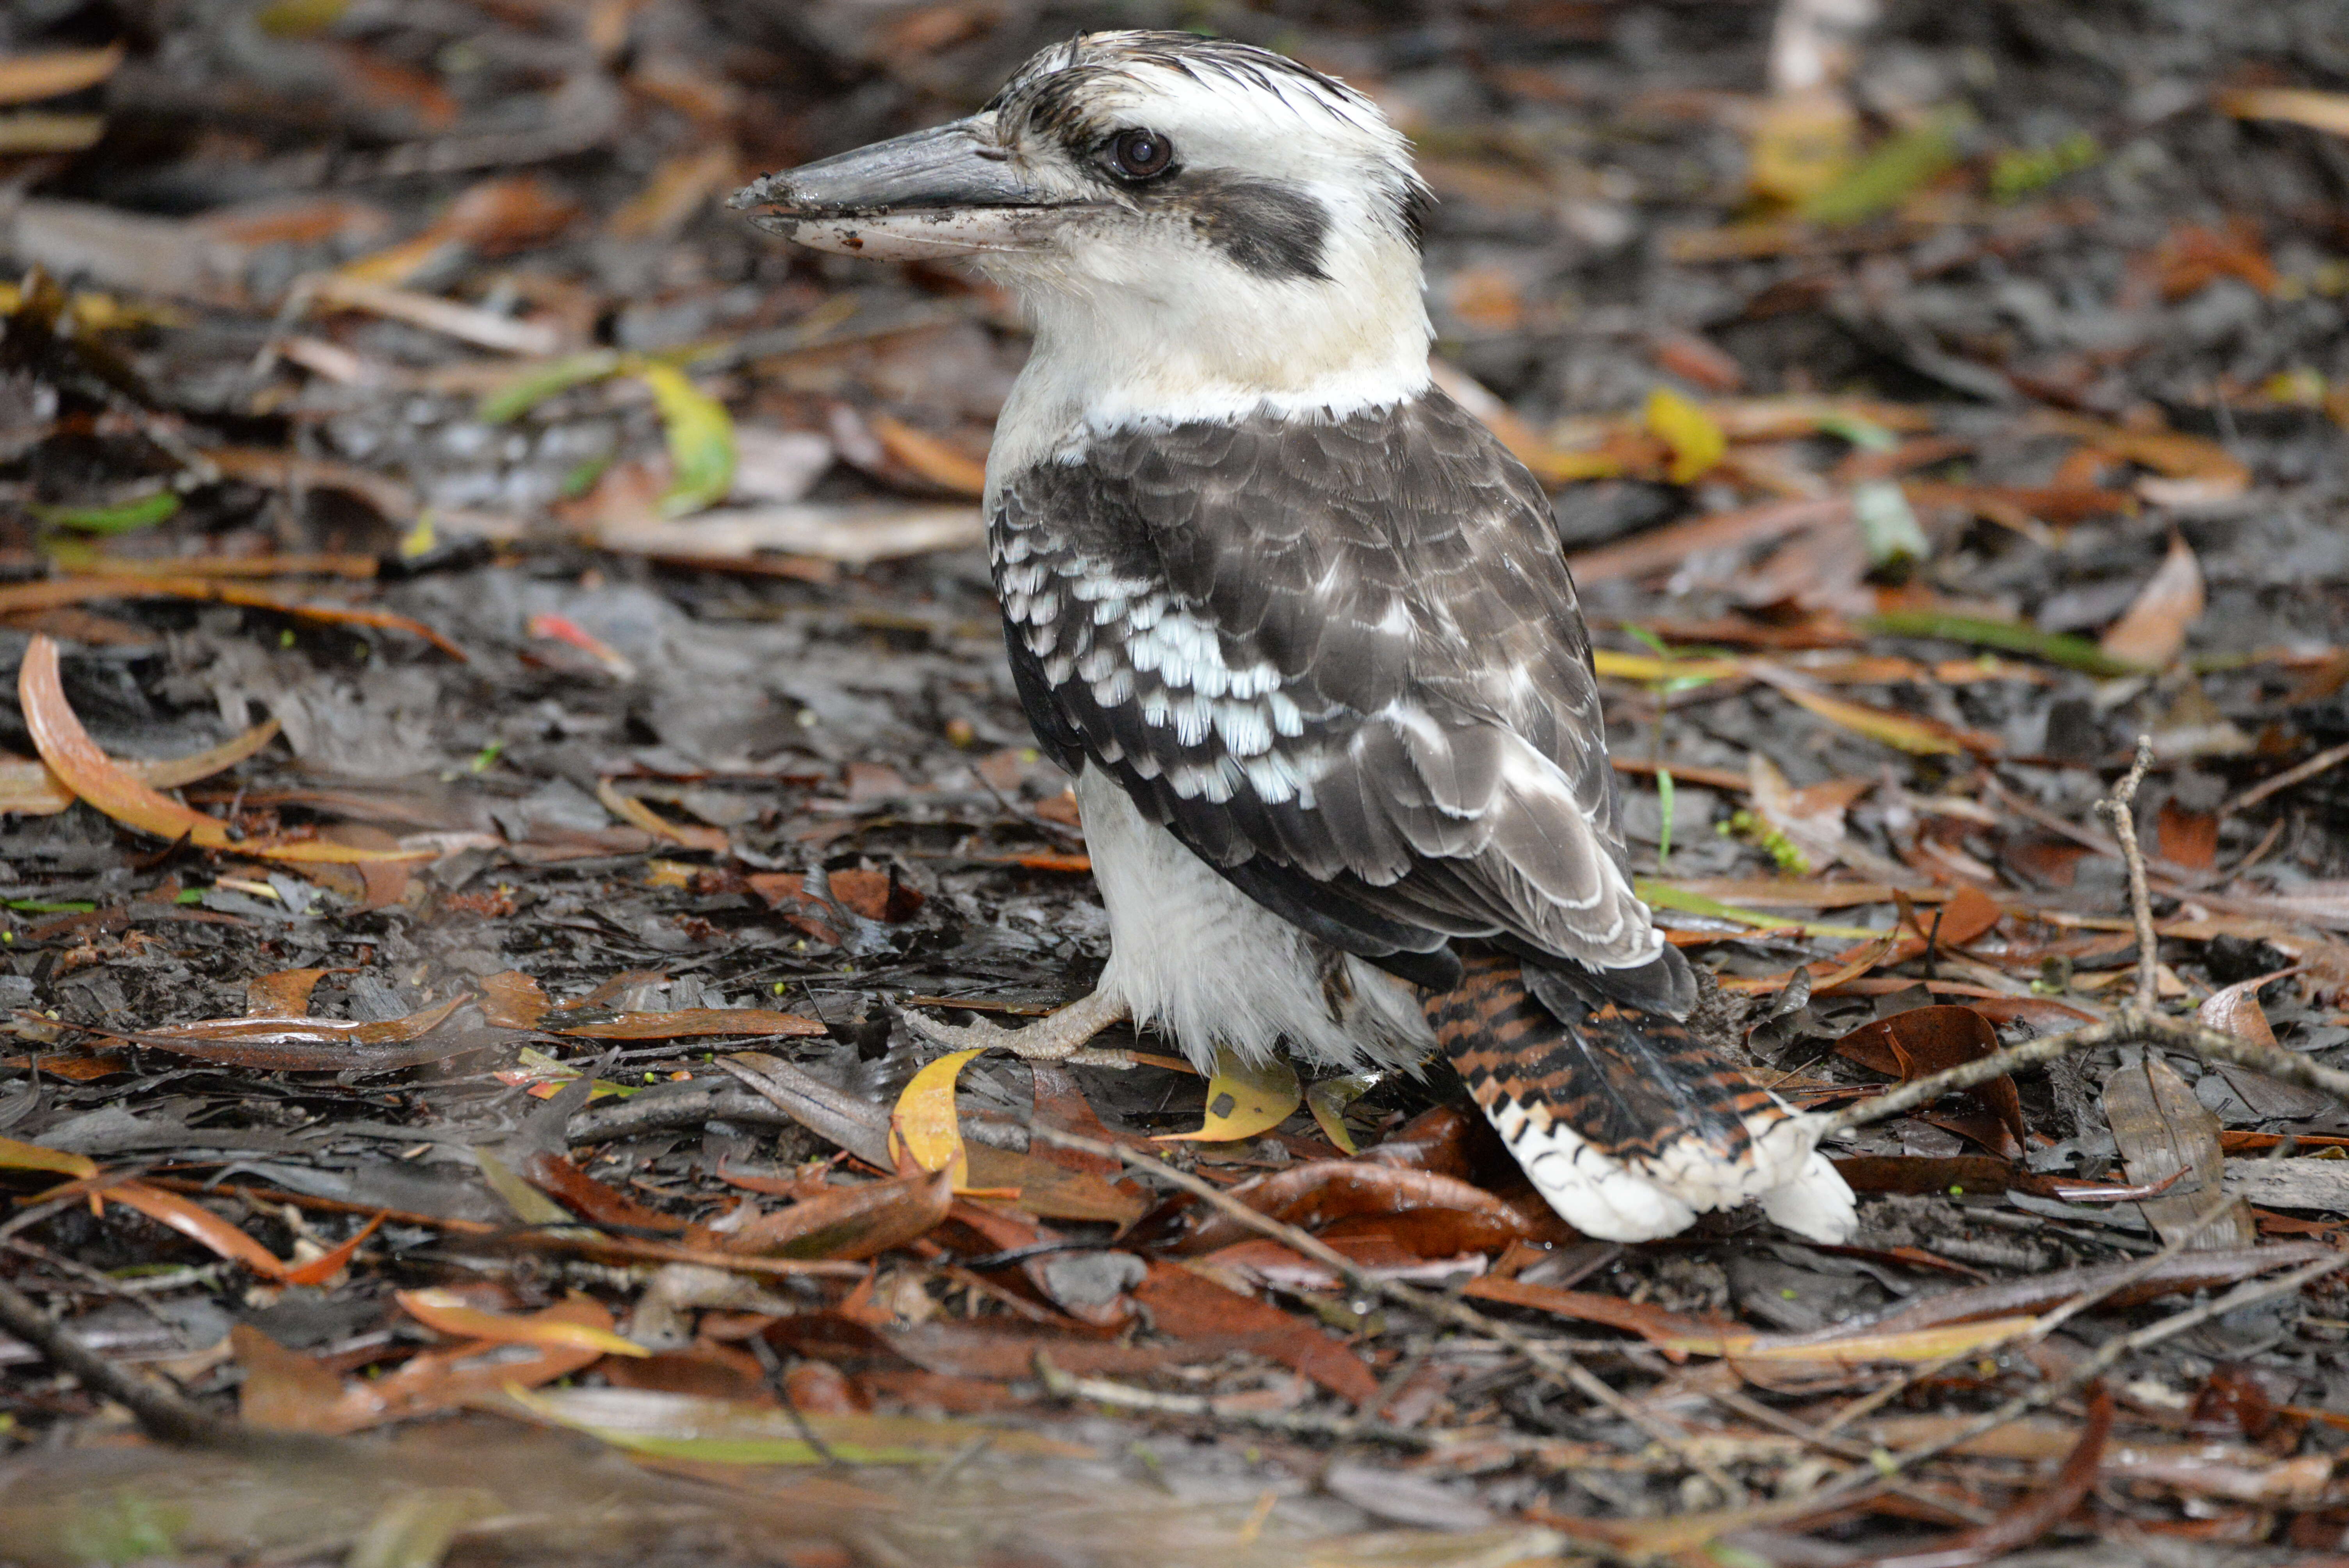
column 1341, row 660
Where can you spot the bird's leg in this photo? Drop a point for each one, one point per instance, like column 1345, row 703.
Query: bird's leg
column 1057, row 1036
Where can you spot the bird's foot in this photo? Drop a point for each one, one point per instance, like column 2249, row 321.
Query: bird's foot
column 1058, row 1036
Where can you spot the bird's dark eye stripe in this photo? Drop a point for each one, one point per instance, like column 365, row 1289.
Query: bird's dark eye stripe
column 1139, row 154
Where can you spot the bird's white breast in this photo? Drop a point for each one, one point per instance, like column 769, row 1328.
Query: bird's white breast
column 1194, row 956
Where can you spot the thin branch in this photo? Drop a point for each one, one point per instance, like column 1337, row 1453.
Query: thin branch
column 2299, row 774
column 2127, row 1027
column 2119, row 809
column 1551, row 1366
column 161, row 1413
column 1294, row 1423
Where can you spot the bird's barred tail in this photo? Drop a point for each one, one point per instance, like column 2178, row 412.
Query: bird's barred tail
column 1628, row 1123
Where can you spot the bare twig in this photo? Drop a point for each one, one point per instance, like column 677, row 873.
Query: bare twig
column 2109, row 1355
column 1296, row 1423
column 2127, row 1026
column 2298, row 774
column 1546, row 1361
column 2119, row 809
column 2138, row 1021
column 161, row 1413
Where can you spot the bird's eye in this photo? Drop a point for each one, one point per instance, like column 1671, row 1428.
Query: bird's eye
column 1139, row 154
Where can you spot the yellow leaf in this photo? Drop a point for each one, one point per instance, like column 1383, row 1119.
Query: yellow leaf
column 447, row 1312
column 1694, row 435
column 15, row 1155
column 923, row 1125
column 1622, row 666
column 700, row 440
column 1802, row 143
column 1910, row 732
column 1244, row 1098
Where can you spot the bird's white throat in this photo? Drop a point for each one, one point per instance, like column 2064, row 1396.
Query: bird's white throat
column 1146, row 326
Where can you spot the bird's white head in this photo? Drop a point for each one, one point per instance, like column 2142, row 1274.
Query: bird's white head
column 1200, row 228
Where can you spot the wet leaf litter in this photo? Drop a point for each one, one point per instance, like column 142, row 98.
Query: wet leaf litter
column 510, row 714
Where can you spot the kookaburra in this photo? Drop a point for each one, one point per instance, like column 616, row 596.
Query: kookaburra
column 1299, row 626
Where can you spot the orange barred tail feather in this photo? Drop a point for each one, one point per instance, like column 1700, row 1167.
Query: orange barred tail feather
column 1628, row 1123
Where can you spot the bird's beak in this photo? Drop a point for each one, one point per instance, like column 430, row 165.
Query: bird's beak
column 947, row 191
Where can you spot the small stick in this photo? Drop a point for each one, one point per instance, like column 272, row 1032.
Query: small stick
column 1294, row 1423
column 1553, row 1368
column 161, row 1413
column 2299, row 774
column 2137, row 1021
column 2127, row 1026
column 2119, row 809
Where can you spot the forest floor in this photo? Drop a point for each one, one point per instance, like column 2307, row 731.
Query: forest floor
column 460, row 1104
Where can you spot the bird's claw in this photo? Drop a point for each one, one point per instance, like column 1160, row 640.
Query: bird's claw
column 1058, row 1036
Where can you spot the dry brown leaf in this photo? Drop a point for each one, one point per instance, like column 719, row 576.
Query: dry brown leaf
column 33, row 790
column 2152, row 633
column 97, row 779
column 27, row 78
column 2301, row 106
column 2161, row 1130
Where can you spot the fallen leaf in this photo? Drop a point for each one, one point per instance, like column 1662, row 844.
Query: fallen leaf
column 850, row 1222
column 1244, row 1098
column 27, row 78
column 1428, row 1214
column 1801, row 144
column 322, row 1269
column 875, row 895
column 1902, row 164
column 447, row 1313
column 2161, row 1130
column 1913, row 733
column 2235, row 1009
column 1695, row 437
column 32, row 788
column 1189, row 1306
column 2151, row 632
column 1328, row 1099
column 285, row 1390
column 305, row 1044
column 69, row 752
column 701, row 435
column 692, row 1022
column 628, row 808
column 1051, row 1190
column 198, row 1224
column 923, row 1125
column 935, row 461
column 15, row 1155
column 2301, row 106
column 284, row 994
column 680, row 1427
column 476, row 1370
column 1922, row 1041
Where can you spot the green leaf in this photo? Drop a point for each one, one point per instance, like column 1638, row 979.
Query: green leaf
column 1899, row 166
column 1664, row 895
column 1665, row 791
column 535, row 385
column 121, row 518
column 2012, row 636
column 700, row 440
